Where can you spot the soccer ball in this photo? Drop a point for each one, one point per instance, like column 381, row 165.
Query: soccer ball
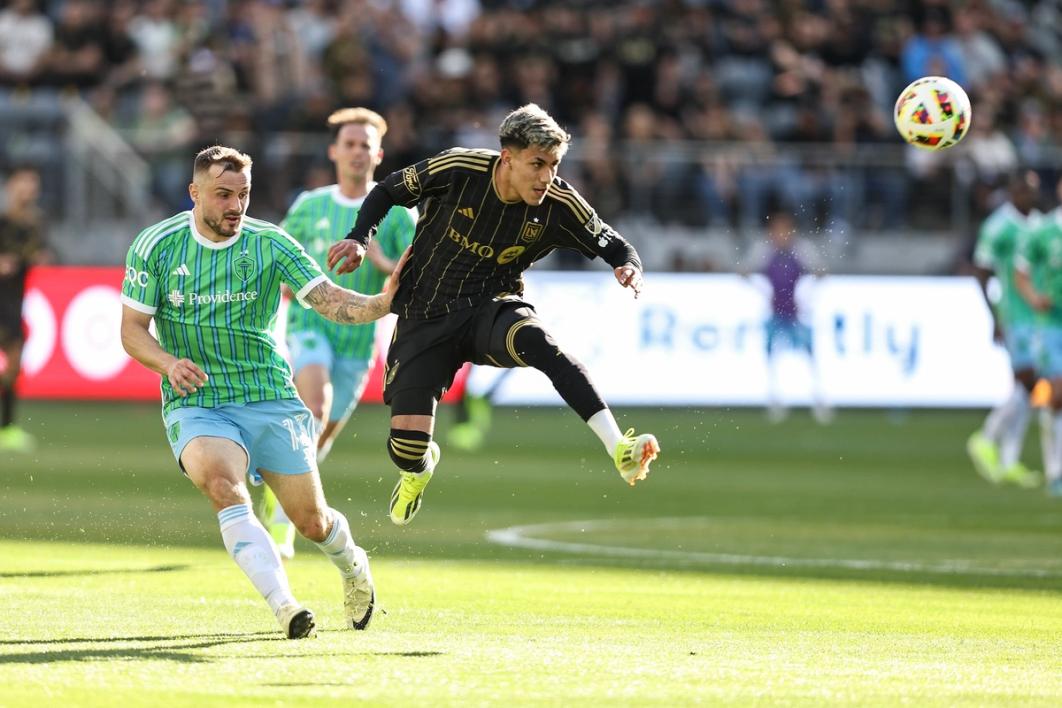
column 932, row 113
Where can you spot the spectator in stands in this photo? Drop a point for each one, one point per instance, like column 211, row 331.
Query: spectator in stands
column 164, row 133
column 934, row 52
column 157, row 39
column 26, row 35
column 78, row 57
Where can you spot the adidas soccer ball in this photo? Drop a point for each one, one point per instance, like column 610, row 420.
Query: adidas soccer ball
column 932, row 113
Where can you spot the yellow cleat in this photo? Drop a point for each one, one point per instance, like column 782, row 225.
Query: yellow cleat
column 633, row 455
column 408, row 494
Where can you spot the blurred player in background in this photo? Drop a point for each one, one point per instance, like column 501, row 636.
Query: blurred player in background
column 210, row 279
column 783, row 260
column 21, row 245
column 331, row 361
column 995, row 449
column 1039, row 279
column 486, row 218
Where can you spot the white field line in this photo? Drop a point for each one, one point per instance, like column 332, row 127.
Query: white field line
column 525, row 537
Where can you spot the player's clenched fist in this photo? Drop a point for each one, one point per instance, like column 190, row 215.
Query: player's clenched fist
column 185, row 377
column 348, row 249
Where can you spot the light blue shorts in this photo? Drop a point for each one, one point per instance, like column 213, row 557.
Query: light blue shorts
column 1023, row 346
column 348, row 375
column 795, row 333
column 1050, row 343
column 277, row 436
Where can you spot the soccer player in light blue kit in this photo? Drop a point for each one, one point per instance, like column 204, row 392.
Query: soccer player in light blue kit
column 331, row 361
column 995, row 449
column 210, row 279
column 1039, row 280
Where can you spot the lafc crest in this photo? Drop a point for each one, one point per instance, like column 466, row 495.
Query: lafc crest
column 531, row 232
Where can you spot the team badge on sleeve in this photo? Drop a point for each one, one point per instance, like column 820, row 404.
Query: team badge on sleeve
column 411, row 180
column 593, row 225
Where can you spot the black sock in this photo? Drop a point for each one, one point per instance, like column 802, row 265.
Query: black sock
column 7, row 405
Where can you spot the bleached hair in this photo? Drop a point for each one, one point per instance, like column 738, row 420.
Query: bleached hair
column 530, row 125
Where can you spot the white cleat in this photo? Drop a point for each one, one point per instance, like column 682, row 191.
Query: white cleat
column 359, row 594
column 296, row 621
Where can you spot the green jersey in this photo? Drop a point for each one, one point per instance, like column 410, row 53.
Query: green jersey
column 1041, row 258
column 319, row 218
column 999, row 242
column 217, row 303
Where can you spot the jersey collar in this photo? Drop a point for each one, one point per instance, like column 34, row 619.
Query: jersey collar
column 207, row 243
column 341, row 200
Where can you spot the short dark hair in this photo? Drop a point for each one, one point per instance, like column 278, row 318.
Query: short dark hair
column 360, row 116
column 531, row 125
column 229, row 158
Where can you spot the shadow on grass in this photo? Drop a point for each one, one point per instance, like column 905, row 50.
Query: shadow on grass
column 74, row 573
column 171, row 652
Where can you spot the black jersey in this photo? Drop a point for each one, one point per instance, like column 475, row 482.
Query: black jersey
column 470, row 245
column 23, row 240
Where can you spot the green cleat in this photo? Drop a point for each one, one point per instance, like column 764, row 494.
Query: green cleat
column 1022, row 476
column 466, row 436
column 985, row 457
column 633, row 455
column 15, row 439
column 409, row 492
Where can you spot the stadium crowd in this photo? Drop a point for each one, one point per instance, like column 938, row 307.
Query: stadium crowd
column 673, row 102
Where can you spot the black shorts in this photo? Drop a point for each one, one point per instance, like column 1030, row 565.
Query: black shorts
column 426, row 354
column 11, row 331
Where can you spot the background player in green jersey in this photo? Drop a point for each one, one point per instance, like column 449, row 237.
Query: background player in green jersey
column 487, row 217
column 210, row 279
column 331, row 361
column 995, row 449
column 1039, row 277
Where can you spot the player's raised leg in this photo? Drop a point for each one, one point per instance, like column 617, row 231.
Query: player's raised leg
column 302, row 497
column 218, row 466
column 518, row 338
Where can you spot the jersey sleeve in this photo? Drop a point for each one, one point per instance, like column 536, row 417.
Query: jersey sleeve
column 300, row 272
column 143, row 285
column 396, row 231
column 434, row 175
column 587, row 233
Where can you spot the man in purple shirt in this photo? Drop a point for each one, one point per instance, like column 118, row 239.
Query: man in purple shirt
column 783, row 260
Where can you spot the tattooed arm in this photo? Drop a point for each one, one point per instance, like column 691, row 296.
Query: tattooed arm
column 350, row 307
column 347, row 306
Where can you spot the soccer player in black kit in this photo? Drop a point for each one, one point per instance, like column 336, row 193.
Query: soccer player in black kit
column 21, row 245
column 486, row 217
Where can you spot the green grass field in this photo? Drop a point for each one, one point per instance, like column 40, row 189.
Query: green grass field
column 861, row 563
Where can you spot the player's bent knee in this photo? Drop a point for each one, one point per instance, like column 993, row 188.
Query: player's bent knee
column 409, row 449
column 311, row 524
column 224, row 491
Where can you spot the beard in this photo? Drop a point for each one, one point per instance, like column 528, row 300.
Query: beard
column 221, row 227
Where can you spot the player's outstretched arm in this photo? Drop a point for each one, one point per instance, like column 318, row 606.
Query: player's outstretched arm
column 183, row 374
column 630, row 276
column 1037, row 300
column 351, row 307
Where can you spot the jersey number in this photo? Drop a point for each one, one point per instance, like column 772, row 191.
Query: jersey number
column 299, row 427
